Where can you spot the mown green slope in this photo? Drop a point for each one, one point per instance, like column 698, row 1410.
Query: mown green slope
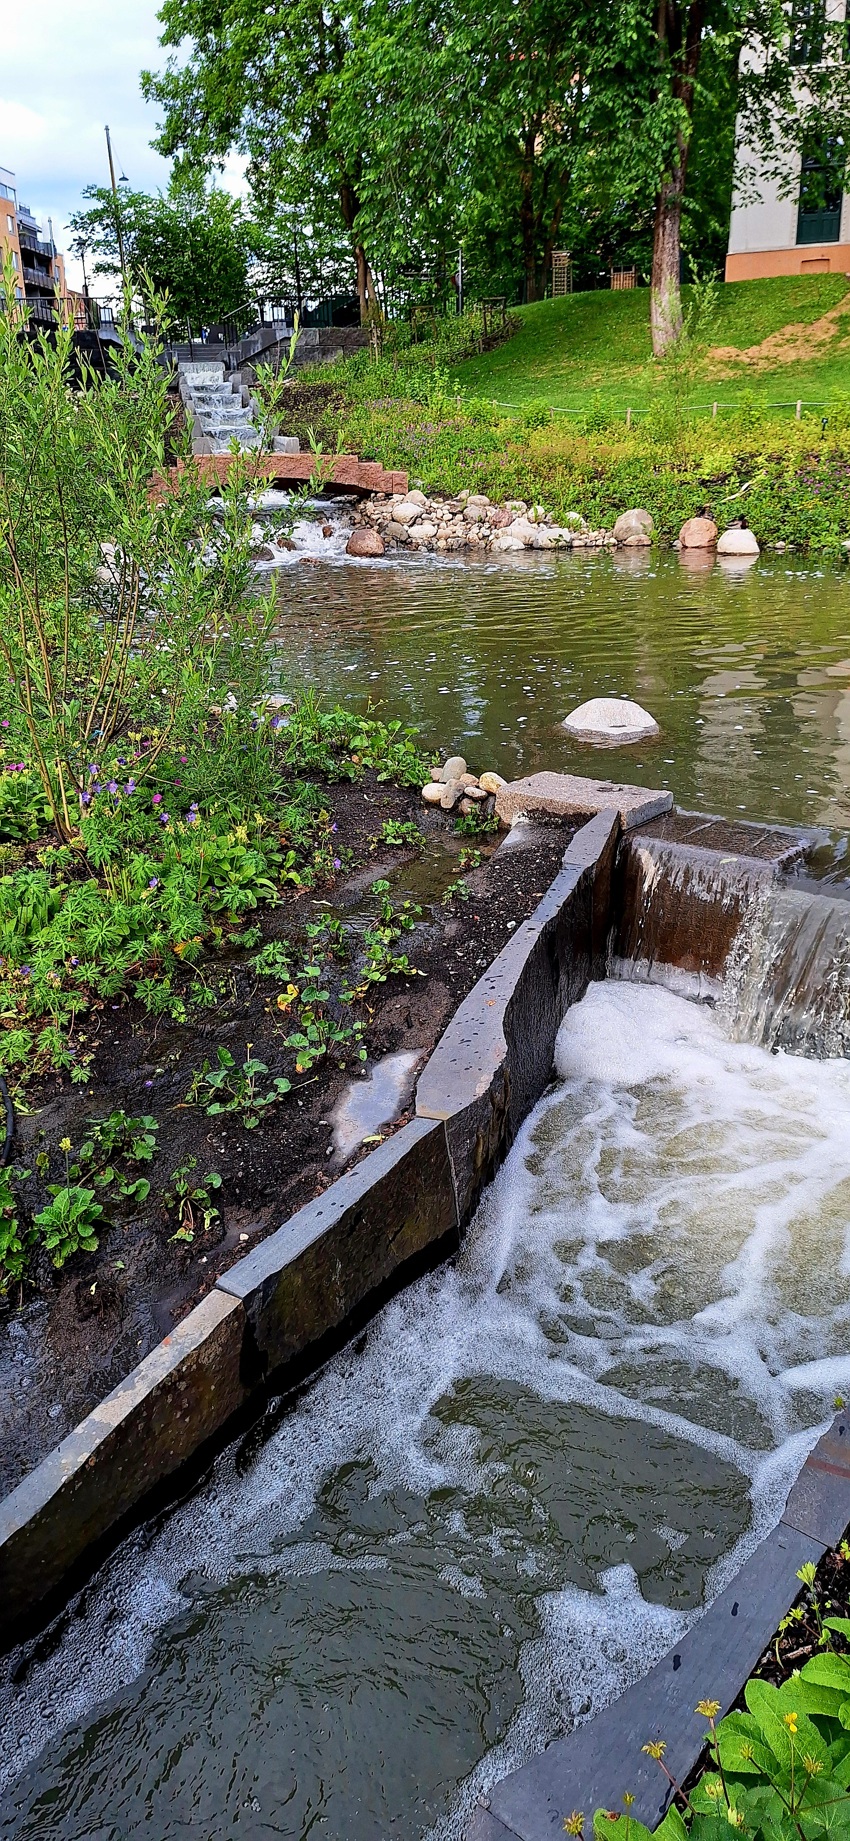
column 599, row 344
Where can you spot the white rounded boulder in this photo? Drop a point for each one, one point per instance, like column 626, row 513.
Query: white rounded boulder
column 610, row 721
column 736, row 542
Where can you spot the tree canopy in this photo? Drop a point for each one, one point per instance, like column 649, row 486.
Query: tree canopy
column 192, row 244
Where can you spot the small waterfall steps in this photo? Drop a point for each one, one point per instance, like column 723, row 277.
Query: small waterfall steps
column 222, row 410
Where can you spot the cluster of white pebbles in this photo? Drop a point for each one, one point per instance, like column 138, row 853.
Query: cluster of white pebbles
column 452, row 785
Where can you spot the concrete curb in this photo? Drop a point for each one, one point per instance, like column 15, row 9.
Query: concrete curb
column 597, row 1763
column 331, row 1265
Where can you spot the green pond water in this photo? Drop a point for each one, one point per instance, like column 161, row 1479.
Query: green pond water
column 747, row 670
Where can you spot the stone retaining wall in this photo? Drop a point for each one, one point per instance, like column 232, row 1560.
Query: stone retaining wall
column 275, row 1314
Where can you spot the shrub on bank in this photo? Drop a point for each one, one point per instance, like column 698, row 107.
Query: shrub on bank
column 790, row 478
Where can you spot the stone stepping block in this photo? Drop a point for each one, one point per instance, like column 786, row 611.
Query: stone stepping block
column 567, row 795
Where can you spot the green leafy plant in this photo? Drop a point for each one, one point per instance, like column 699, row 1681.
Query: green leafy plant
column 231, row 1088
column 469, row 859
column 191, row 1198
column 476, row 824
column 401, row 832
column 456, row 891
column 779, row 1770
column 16, row 1238
column 73, row 1219
column 110, row 1142
column 274, row 960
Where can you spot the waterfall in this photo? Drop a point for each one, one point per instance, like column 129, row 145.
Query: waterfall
column 787, row 980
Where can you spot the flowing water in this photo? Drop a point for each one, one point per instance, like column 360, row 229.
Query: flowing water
column 507, row 1500
column 538, row 1464
column 746, row 670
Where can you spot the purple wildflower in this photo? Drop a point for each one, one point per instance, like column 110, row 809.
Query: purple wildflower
column 75, row 961
column 85, row 798
column 112, row 787
column 154, row 882
column 93, row 772
column 334, row 826
column 26, row 971
column 5, row 722
column 130, row 786
column 337, row 863
column 157, row 799
column 193, row 815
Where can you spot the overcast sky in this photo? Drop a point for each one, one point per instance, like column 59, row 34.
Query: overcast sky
column 67, row 69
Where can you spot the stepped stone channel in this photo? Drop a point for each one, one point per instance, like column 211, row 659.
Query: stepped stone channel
column 221, row 410
column 552, row 1460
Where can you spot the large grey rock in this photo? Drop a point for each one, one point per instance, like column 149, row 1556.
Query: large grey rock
column 633, row 527
column 454, row 767
column 568, row 795
column 610, row 721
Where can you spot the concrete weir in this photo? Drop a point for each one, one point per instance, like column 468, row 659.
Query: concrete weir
column 643, row 892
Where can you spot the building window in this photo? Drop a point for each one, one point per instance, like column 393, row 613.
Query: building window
column 15, row 263
column 821, row 190
column 808, row 31
column 10, row 224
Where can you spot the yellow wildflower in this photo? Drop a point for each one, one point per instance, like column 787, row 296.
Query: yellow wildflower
column 655, row 1748
column 574, row 1823
column 790, row 1720
column 735, row 1817
column 812, row 1766
column 708, row 1708
column 64, row 1144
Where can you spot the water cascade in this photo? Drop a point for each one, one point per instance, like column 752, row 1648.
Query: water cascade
column 508, row 1498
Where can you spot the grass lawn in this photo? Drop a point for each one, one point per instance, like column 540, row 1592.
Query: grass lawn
column 599, row 344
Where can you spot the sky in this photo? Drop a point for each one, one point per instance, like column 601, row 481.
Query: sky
column 66, row 70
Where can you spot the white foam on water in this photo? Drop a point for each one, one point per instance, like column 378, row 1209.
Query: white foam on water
column 666, row 1248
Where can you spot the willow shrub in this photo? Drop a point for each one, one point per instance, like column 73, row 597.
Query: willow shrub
column 121, row 606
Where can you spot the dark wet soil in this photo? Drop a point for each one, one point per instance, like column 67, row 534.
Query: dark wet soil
column 77, row 1332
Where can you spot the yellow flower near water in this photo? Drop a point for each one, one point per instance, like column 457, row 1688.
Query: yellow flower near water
column 574, row 1823
column 655, row 1748
column 708, row 1708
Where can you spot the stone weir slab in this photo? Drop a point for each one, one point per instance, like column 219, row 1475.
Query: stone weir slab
column 569, row 795
column 343, row 471
column 276, row 1314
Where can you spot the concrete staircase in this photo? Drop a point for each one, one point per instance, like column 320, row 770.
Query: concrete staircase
column 221, row 410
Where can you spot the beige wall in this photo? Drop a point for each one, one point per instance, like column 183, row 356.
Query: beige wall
column 804, row 259
column 9, row 244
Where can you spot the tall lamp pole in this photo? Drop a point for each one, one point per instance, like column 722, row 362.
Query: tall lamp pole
column 117, row 210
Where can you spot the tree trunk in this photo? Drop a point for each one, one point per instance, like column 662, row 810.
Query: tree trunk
column 527, row 222
column 665, row 304
column 680, row 44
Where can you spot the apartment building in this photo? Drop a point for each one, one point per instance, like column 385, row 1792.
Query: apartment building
column 39, row 266
column 801, row 224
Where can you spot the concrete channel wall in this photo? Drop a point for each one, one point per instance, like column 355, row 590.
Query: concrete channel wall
column 274, row 1315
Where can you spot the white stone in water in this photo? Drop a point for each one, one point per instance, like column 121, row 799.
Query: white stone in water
column 736, row 542
column 610, row 720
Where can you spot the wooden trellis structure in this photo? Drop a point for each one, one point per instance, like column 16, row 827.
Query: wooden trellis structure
column 623, row 278
column 562, row 272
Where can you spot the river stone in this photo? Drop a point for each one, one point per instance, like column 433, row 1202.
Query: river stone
column 423, row 531
column 698, row 534
column 365, row 543
column 634, row 527
column 738, row 543
column 491, row 782
column 611, row 720
column 416, row 498
column 454, row 767
column 452, row 791
column 473, row 791
column 396, row 532
column 524, row 530
column 432, row 793
column 406, row 512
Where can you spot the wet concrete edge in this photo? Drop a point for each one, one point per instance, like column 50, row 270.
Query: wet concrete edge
column 274, row 1315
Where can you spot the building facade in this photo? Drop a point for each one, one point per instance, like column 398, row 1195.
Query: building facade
column 800, row 225
column 39, row 267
